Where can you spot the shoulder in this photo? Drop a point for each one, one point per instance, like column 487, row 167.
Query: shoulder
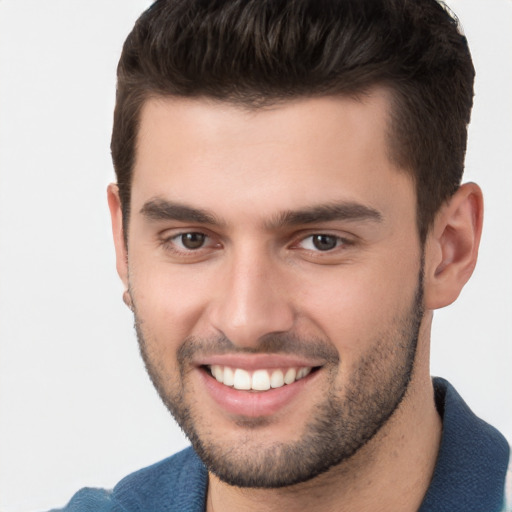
column 508, row 488
column 89, row 500
column 472, row 460
column 177, row 483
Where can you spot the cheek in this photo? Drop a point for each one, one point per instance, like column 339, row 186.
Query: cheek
column 169, row 300
column 355, row 308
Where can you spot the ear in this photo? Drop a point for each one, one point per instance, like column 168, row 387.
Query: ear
column 114, row 204
column 452, row 246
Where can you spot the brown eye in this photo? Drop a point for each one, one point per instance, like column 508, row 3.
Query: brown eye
column 324, row 242
column 192, row 240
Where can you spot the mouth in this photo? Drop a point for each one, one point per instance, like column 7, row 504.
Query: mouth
column 258, row 385
column 261, row 379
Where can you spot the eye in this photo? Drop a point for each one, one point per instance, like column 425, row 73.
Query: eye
column 189, row 246
column 321, row 242
column 190, row 241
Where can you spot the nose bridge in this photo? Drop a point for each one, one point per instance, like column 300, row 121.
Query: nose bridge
column 252, row 300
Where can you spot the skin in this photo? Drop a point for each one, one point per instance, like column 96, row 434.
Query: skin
column 256, row 277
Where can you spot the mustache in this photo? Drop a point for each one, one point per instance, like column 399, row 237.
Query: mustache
column 279, row 343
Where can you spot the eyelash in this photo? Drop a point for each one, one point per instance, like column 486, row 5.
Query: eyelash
column 340, row 242
column 170, row 243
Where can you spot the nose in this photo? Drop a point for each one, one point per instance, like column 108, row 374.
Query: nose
column 252, row 300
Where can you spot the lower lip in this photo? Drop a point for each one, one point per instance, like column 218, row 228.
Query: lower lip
column 253, row 404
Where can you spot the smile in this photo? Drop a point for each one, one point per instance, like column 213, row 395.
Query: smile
column 258, row 385
column 259, row 379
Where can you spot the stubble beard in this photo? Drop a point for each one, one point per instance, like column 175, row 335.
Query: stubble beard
column 340, row 425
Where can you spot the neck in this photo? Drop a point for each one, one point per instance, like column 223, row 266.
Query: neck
column 391, row 472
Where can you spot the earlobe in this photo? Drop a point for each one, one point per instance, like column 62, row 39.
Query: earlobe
column 116, row 216
column 452, row 246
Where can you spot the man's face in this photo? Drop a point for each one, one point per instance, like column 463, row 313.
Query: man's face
column 274, row 268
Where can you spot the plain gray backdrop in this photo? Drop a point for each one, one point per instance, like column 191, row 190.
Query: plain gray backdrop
column 77, row 408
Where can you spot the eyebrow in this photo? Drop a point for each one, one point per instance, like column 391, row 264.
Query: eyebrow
column 348, row 211
column 159, row 209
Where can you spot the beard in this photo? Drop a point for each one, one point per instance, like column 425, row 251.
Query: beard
column 348, row 416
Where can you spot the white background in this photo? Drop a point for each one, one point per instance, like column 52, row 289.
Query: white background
column 76, row 406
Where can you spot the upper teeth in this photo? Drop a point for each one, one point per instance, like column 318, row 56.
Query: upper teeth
column 258, row 380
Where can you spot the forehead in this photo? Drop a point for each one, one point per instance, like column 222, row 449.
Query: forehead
column 215, row 154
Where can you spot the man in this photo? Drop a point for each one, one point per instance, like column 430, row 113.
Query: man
column 287, row 216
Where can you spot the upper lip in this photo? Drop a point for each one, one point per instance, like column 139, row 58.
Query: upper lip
column 258, row 361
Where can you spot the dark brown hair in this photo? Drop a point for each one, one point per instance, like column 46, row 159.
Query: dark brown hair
column 256, row 52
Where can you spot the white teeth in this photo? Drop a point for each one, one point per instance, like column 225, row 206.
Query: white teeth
column 303, row 372
column 229, row 376
column 290, row 376
column 277, row 379
column 242, row 379
column 218, row 373
column 259, row 380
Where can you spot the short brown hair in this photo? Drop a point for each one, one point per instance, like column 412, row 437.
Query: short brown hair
column 257, row 52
